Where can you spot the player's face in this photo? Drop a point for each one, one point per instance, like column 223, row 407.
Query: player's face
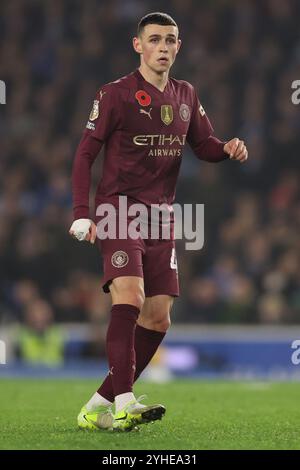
column 158, row 46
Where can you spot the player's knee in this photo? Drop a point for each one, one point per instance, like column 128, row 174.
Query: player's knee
column 128, row 292
column 162, row 324
column 137, row 297
column 165, row 324
column 134, row 296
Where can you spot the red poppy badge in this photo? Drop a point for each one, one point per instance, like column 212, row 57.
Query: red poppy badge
column 143, row 98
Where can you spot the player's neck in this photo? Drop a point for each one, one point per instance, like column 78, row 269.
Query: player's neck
column 157, row 80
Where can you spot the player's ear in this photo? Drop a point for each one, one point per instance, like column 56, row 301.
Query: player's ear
column 137, row 45
column 178, row 44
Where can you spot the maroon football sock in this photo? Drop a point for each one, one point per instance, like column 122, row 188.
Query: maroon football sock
column 120, row 347
column 146, row 343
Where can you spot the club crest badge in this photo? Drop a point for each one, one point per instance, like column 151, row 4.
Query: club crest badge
column 184, row 112
column 166, row 114
column 119, row 259
column 95, row 111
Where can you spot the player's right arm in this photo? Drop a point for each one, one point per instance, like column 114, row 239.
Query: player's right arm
column 103, row 119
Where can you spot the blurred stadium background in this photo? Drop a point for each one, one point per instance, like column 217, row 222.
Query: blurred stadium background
column 239, row 310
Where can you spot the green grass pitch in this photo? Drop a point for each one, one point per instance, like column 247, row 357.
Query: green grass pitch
column 41, row 414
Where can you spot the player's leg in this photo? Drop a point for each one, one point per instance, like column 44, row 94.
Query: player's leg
column 161, row 285
column 127, row 300
column 123, row 278
column 152, row 325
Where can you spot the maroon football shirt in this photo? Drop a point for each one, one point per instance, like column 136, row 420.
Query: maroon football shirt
column 144, row 131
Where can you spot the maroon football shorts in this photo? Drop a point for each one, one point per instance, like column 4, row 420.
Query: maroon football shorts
column 153, row 260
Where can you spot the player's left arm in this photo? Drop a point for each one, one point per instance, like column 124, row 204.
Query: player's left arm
column 208, row 147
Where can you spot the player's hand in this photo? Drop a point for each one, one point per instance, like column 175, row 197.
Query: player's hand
column 236, row 150
column 83, row 229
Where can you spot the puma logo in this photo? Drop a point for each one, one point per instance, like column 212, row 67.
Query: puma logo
column 143, row 111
